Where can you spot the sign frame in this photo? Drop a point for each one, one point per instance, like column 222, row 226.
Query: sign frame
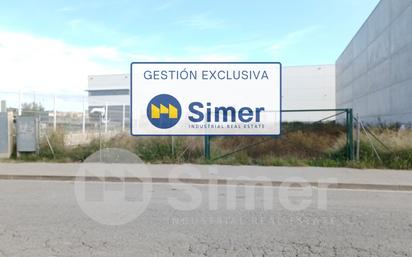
column 204, row 134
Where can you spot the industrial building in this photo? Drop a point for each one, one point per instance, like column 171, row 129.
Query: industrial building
column 303, row 87
column 308, row 87
column 374, row 72
column 111, row 91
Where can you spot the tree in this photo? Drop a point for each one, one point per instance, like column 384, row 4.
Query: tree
column 31, row 109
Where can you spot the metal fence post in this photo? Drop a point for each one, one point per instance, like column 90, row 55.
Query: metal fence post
column 84, row 119
column 106, row 113
column 123, row 114
column 100, row 136
column 19, row 112
column 207, row 147
column 357, row 138
column 54, row 114
column 349, row 134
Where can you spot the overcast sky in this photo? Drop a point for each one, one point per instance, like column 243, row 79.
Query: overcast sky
column 51, row 46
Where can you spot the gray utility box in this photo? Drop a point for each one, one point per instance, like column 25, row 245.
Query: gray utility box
column 27, row 134
column 6, row 134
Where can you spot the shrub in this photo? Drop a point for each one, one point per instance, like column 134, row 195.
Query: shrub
column 81, row 152
column 300, row 145
column 56, row 140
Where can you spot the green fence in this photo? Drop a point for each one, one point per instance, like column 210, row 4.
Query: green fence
column 348, row 125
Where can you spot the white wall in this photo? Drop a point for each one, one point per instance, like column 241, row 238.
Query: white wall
column 110, row 100
column 112, row 81
column 308, row 87
column 374, row 73
column 109, row 82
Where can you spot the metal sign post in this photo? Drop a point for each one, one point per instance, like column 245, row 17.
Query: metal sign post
column 207, row 147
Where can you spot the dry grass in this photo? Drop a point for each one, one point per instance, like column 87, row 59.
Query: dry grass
column 394, row 140
column 299, row 145
column 297, row 141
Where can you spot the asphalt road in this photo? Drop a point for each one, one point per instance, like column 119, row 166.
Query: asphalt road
column 43, row 218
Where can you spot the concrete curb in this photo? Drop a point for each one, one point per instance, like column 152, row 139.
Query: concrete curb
column 201, row 181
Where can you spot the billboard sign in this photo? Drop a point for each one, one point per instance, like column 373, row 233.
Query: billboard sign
column 199, row 98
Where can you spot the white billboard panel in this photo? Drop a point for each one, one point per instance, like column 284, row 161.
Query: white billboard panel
column 187, row 98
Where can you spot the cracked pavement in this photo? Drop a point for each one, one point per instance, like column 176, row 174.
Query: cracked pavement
column 43, row 218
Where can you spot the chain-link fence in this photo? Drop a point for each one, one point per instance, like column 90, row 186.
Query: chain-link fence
column 71, row 114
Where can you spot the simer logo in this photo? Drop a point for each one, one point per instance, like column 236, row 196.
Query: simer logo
column 164, row 111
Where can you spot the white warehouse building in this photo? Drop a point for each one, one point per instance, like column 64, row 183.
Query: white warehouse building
column 111, row 91
column 303, row 87
column 308, row 87
column 374, row 72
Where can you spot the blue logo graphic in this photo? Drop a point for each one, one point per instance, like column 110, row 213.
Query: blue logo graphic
column 164, row 111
